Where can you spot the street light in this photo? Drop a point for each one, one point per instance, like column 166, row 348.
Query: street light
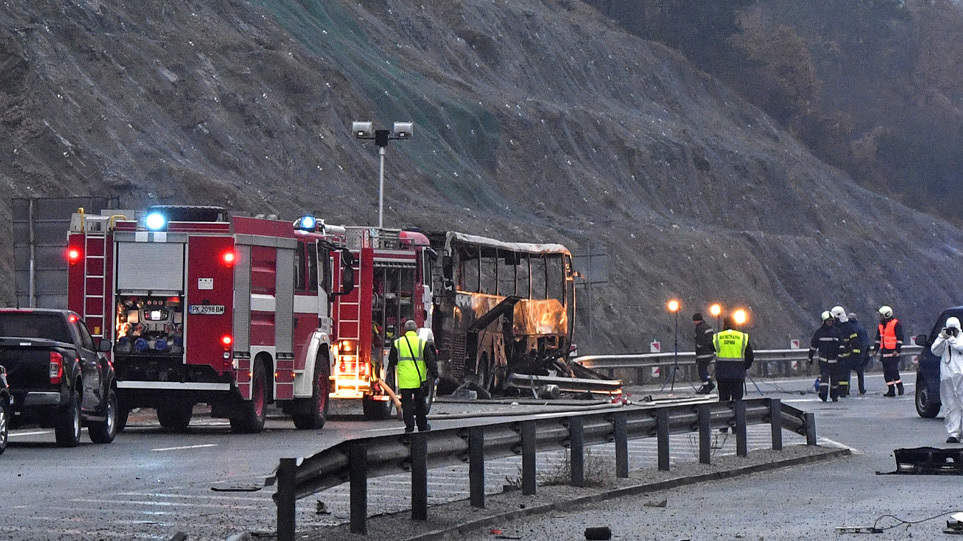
column 365, row 130
column 739, row 317
column 716, row 310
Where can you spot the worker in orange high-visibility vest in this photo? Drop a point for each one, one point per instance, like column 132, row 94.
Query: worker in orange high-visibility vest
column 415, row 359
column 889, row 342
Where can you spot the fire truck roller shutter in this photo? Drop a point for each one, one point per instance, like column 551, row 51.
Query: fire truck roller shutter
column 242, row 299
column 150, row 266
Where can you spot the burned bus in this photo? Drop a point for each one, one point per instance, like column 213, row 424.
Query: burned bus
column 503, row 312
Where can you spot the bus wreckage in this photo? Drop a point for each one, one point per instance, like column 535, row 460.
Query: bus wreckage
column 503, row 319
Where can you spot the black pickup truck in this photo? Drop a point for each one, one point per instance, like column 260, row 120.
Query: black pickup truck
column 58, row 376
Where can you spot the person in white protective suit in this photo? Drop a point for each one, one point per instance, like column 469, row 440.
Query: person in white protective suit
column 949, row 346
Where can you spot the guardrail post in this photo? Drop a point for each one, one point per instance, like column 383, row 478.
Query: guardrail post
column 621, row 446
column 419, row 476
column 358, row 493
column 742, row 441
column 775, row 420
column 286, row 499
column 705, row 433
column 476, row 466
column 576, row 439
column 810, row 420
column 528, row 458
column 662, row 434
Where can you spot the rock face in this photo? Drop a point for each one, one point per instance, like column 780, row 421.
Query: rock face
column 534, row 120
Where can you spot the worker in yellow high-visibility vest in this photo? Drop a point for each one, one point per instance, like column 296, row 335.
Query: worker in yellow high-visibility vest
column 733, row 357
column 415, row 359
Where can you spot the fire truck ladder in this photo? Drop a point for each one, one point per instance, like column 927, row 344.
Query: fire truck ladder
column 95, row 261
column 349, row 328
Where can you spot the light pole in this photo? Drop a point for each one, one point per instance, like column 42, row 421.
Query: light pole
column 674, row 307
column 365, row 130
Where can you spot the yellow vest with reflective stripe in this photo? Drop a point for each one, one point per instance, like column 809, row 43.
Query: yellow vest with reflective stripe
column 730, row 348
column 412, row 370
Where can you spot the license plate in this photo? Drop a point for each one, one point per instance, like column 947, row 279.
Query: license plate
column 206, row 309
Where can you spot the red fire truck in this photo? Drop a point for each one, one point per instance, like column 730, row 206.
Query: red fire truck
column 207, row 308
column 240, row 312
column 393, row 284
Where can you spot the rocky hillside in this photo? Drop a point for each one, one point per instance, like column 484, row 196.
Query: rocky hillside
column 534, row 120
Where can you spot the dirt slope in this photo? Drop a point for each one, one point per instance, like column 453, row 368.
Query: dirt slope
column 535, row 120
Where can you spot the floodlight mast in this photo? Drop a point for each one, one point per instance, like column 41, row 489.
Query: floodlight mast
column 399, row 131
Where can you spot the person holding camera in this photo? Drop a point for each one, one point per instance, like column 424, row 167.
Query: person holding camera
column 415, row 359
column 949, row 346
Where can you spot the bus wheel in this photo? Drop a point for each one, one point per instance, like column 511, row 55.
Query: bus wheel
column 253, row 412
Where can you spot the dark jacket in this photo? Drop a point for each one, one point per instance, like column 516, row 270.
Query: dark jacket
column 704, row 349
column 826, row 342
column 862, row 337
column 847, row 339
column 897, row 332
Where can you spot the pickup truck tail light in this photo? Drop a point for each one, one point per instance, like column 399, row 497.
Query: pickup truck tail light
column 56, row 367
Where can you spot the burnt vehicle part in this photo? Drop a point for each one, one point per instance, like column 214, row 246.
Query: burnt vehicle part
column 503, row 311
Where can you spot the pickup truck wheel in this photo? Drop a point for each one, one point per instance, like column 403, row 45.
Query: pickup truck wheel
column 104, row 431
column 318, row 402
column 253, row 412
column 67, row 430
column 4, row 424
column 926, row 406
column 175, row 418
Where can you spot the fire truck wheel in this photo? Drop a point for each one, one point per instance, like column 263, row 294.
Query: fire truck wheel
column 375, row 410
column 68, row 425
column 122, row 415
column 253, row 412
column 104, row 431
column 176, row 417
column 318, row 403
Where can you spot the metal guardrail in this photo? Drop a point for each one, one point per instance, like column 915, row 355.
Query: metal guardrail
column 783, row 358
column 355, row 461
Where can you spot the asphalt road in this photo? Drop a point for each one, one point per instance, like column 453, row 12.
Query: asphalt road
column 150, row 484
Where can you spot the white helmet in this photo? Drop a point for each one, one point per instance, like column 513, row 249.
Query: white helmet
column 826, row 315
column 953, row 322
column 886, row 312
column 839, row 313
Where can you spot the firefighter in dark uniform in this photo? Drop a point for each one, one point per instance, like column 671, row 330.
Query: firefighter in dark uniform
column 415, row 360
column 825, row 348
column 734, row 356
column 849, row 350
column 704, row 352
column 860, row 362
column 889, row 342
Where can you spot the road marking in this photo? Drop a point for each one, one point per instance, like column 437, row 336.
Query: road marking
column 185, row 447
column 162, row 504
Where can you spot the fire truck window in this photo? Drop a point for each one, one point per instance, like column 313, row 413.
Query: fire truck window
column 556, row 277
column 299, row 268
column 489, row 268
column 312, row 253
column 468, row 269
column 523, row 282
column 507, row 273
column 327, row 277
column 538, row 278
